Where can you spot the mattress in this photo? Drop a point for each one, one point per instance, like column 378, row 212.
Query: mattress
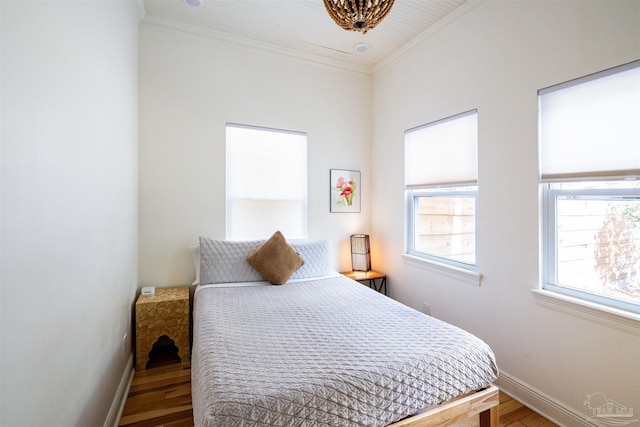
column 325, row 351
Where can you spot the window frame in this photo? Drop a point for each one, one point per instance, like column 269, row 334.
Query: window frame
column 413, row 196
column 550, row 242
column 441, row 143
column 597, row 164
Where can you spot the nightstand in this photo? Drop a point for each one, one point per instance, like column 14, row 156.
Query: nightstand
column 370, row 277
column 165, row 313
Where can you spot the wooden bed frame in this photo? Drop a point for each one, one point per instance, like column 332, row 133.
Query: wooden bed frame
column 484, row 402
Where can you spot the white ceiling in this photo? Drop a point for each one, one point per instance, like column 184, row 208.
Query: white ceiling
column 303, row 27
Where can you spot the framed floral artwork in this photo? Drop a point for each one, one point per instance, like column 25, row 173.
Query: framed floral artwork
column 345, row 190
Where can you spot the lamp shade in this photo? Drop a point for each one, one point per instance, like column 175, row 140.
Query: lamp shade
column 360, row 252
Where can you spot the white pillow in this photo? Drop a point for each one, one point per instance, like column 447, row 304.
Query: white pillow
column 231, row 263
column 315, row 254
column 225, row 261
column 195, row 257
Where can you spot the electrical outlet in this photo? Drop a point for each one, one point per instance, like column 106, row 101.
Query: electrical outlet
column 426, row 308
column 125, row 345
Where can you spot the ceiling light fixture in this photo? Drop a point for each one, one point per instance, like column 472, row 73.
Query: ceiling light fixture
column 193, row 3
column 358, row 15
column 361, row 47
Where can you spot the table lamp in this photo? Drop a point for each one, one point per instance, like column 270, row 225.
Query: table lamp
column 360, row 252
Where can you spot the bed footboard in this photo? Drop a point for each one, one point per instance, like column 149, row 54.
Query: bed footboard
column 484, row 402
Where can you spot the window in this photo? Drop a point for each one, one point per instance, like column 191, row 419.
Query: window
column 441, row 190
column 266, row 182
column 590, row 165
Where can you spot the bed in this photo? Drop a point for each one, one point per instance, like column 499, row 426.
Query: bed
column 324, row 350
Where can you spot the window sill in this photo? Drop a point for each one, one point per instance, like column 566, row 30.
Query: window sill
column 465, row 276
column 628, row 322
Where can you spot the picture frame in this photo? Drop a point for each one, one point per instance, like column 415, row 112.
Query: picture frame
column 344, row 191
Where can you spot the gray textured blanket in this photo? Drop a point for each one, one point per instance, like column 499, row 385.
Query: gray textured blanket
column 324, row 352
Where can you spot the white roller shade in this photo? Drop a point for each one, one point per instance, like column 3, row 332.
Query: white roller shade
column 590, row 127
column 443, row 152
column 266, row 188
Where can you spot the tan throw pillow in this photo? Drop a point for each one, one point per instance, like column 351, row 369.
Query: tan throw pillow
column 275, row 259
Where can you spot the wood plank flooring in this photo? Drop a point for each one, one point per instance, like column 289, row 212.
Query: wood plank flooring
column 162, row 397
column 159, row 397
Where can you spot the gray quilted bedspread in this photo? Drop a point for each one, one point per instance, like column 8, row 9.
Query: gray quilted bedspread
column 328, row 352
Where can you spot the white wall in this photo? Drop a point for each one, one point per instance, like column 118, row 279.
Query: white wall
column 495, row 58
column 1, row 139
column 190, row 86
column 69, row 207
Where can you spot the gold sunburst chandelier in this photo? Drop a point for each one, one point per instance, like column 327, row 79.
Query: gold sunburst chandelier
column 358, row 15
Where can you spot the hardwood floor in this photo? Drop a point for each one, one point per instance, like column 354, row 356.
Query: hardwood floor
column 159, row 397
column 162, row 397
column 512, row 414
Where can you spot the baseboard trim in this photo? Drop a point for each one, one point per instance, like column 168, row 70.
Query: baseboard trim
column 115, row 412
column 539, row 402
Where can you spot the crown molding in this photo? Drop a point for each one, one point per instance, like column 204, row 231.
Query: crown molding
column 466, row 8
column 469, row 6
column 243, row 41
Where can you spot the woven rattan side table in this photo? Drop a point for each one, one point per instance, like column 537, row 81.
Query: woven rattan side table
column 165, row 313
